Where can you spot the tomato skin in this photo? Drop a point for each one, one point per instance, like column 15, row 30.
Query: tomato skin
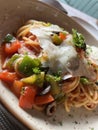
column 8, row 76
column 62, row 36
column 11, row 48
column 41, row 100
column 17, row 87
column 26, row 100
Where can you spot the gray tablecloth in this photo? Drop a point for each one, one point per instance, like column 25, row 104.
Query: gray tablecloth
column 8, row 121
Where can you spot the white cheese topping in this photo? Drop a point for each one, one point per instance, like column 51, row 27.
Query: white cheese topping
column 58, row 56
column 93, row 53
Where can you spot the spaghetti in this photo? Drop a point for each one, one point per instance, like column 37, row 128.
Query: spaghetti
column 39, row 58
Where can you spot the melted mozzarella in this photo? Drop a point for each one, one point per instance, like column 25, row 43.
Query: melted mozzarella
column 58, row 56
column 93, row 53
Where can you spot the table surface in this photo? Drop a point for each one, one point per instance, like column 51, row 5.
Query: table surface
column 8, row 121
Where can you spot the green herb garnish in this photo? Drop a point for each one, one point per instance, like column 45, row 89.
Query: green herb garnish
column 57, row 76
column 55, row 88
column 78, row 40
column 9, row 38
column 36, row 70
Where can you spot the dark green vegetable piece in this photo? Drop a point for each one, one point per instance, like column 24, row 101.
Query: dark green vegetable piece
column 55, row 89
column 78, row 40
column 60, row 98
column 9, row 38
column 40, row 79
column 27, row 64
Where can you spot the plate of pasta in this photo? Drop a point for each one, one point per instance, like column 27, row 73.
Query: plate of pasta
column 48, row 70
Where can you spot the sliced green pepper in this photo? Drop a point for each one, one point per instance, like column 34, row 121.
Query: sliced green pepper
column 60, row 98
column 55, row 89
column 40, row 79
column 37, row 79
column 27, row 64
column 11, row 61
column 56, row 39
column 84, row 80
column 30, row 80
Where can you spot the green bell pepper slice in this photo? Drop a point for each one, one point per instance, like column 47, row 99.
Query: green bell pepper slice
column 56, row 39
column 10, row 63
column 37, row 79
column 27, row 64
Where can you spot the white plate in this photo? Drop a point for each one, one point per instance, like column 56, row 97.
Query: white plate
column 77, row 119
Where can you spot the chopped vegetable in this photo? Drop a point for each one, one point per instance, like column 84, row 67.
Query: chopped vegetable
column 27, row 64
column 17, row 87
column 36, row 70
column 45, row 99
column 55, row 89
column 57, row 76
column 37, row 79
column 40, row 79
column 78, row 40
column 60, row 98
column 30, row 80
column 27, row 98
column 11, row 48
column 62, row 35
column 9, row 38
column 9, row 64
column 84, row 80
column 56, row 39
column 8, row 76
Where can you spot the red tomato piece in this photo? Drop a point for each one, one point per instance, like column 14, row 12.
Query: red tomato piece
column 27, row 98
column 41, row 100
column 11, row 48
column 62, row 35
column 17, row 87
column 8, row 76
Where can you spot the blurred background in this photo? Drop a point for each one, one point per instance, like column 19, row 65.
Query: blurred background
column 89, row 7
